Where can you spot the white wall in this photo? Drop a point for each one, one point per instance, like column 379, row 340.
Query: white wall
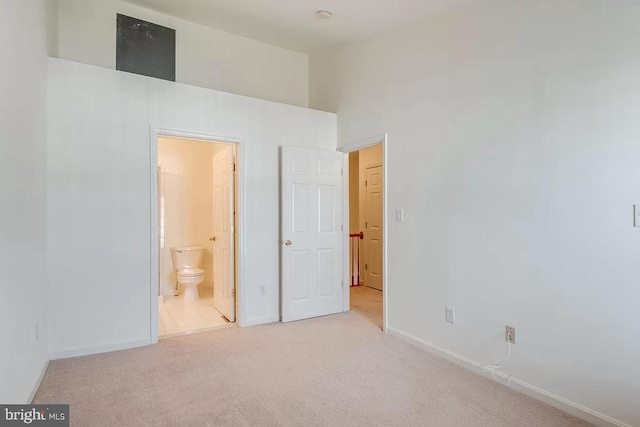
column 204, row 56
column 53, row 27
column 514, row 150
column 187, row 191
column 23, row 48
column 99, row 194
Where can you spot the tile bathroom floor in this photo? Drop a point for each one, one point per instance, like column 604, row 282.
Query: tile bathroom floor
column 175, row 317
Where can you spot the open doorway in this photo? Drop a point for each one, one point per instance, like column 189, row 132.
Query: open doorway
column 196, row 223
column 366, row 232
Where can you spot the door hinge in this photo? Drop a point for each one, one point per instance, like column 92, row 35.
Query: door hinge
column 342, row 228
column 366, row 266
column 366, row 183
column 233, row 292
column 366, row 225
column 233, row 167
column 341, row 172
column 342, row 284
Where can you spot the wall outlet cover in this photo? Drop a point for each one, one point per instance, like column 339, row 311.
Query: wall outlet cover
column 450, row 314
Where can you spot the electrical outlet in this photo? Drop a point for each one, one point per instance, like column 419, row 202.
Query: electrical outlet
column 450, row 314
column 263, row 290
column 510, row 334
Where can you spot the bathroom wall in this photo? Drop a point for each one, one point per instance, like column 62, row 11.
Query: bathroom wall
column 187, row 202
column 99, row 173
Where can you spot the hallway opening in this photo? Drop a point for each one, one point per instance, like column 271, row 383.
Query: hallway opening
column 366, row 231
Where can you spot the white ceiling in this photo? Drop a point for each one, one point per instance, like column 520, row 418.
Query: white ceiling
column 291, row 23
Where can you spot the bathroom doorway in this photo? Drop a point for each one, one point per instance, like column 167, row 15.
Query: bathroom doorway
column 197, row 242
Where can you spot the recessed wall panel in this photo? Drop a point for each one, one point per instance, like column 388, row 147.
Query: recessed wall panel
column 326, row 209
column 300, row 208
column 376, row 258
column 325, row 272
column 326, row 167
column 301, row 166
column 301, row 274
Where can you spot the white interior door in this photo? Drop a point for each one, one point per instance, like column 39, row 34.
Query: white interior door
column 223, row 237
column 312, row 241
column 373, row 228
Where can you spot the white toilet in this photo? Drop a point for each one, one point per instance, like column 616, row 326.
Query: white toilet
column 187, row 261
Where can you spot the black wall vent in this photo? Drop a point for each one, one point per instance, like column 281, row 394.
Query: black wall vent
column 145, row 48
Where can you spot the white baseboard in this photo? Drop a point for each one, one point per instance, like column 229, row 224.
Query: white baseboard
column 38, row 382
column 65, row 354
column 582, row 412
column 256, row 322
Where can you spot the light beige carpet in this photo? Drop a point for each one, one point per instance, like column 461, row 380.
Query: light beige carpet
column 333, row 371
column 367, row 302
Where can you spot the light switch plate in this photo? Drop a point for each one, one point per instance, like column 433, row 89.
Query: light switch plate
column 636, row 215
column 399, row 215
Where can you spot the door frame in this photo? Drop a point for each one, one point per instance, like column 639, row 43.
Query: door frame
column 349, row 148
column 154, row 133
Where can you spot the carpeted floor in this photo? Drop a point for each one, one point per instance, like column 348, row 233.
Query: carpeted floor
column 339, row 370
column 367, row 302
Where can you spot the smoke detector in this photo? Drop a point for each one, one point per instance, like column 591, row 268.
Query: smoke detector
column 324, row 15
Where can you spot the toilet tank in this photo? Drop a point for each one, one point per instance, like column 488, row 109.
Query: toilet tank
column 186, row 256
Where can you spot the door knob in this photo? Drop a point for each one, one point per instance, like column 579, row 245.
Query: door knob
column 212, row 238
column 287, row 242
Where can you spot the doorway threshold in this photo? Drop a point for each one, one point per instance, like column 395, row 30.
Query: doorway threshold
column 197, row 331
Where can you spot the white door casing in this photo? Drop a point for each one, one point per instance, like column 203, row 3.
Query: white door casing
column 223, row 233
column 160, row 233
column 373, row 231
column 312, row 238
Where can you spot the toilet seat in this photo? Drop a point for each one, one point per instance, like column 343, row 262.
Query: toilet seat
column 191, row 272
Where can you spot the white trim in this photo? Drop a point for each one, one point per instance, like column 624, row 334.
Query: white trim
column 582, row 412
column 364, row 143
column 38, row 382
column 65, row 354
column 356, row 146
column 346, row 230
column 263, row 321
column 154, row 133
